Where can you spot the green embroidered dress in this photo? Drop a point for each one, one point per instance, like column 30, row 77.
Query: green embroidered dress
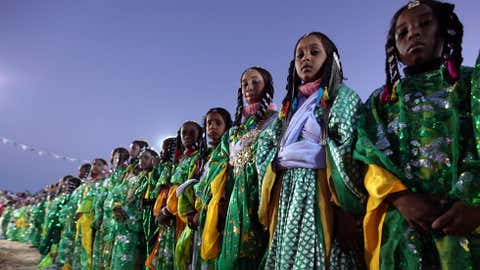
column 299, row 240
column 429, row 139
column 244, row 240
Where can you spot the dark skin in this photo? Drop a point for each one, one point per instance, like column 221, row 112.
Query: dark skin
column 147, row 161
column 215, row 129
column 253, row 85
column 418, row 42
column 189, row 135
column 417, row 36
column 83, row 172
column 134, row 150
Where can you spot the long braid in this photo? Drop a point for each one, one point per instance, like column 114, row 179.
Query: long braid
column 452, row 48
column 293, row 81
column 239, row 111
column 178, row 147
column 268, row 92
column 391, row 68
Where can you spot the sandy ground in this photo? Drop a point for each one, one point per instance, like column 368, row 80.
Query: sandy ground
column 16, row 255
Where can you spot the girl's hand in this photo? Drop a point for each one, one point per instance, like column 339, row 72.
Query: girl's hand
column 348, row 229
column 458, row 220
column 418, row 211
column 78, row 215
column 192, row 220
column 119, row 214
column 164, row 217
column 276, row 167
column 222, row 212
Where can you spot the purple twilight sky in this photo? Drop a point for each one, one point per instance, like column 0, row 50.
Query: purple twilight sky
column 79, row 78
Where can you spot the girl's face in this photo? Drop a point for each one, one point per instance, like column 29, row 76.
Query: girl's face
column 83, row 172
column 115, row 159
column 215, row 127
column 189, row 134
column 416, row 36
column 97, row 166
column 310, row 55
column 253, row 86
column 146, row 161
column 134, row 150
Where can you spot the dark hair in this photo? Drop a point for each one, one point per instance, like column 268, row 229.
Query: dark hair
column 267, row 97
column 141, row 143
column 86, row 165
column 101, row 160
column 451, row 29
column 169, row 144
column 71, row 184
column 331, row 74
column 227, row 118
column 123, row 153
column 151, row 152
column 179, row 149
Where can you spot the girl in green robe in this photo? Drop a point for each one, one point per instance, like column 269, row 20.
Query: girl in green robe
column 161, row 253
column 129, row 245
column 419, row 136
column 175, row 213
column 85, row 214
column 234, row 183
column 67, row 235
column 103, row 214
column 303, row 157
column 216, row 123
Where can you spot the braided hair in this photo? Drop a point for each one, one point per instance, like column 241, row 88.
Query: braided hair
column 450, row 28
column 142, row 145
column 265, row 101
column 123, row 153
column 227, row 119
column 199, row 144
column 153, row 153
column 168, row 149
column 331, row 74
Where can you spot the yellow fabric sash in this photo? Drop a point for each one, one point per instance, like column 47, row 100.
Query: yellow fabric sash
column 379, row 183
column 210, row 248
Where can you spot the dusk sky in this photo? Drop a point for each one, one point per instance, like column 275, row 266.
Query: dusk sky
column 80, row 78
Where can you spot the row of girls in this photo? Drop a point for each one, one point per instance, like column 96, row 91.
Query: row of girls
column 327, row 182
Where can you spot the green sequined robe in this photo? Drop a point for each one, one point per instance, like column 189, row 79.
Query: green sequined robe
column 102, row 220
column 162, row 257
column 129, row 245
column 244, row 241
column 298, row 240
column 429, row 139
column 67, row 235
column 84, row 235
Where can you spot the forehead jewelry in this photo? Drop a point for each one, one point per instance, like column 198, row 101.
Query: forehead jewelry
column 413, row 4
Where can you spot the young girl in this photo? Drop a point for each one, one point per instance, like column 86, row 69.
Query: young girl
column 161, row 255
column 310, row 142
column 129, row 245
column 85, row 214
column 234, row 193
column 103, row 220
column 67, row 238
column 189, row 151
column 217, row 122
column 419, row 136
